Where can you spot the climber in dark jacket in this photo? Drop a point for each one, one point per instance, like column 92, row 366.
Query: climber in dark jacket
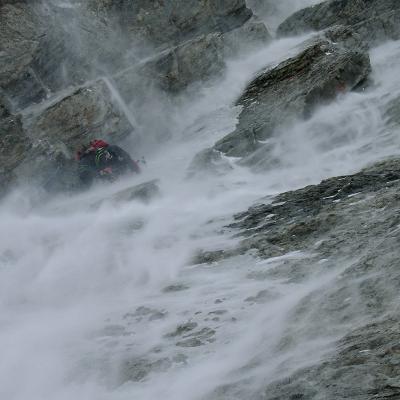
column 100, row 160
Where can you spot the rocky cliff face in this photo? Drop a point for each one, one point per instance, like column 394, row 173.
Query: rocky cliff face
column 173, row 21
column 350, row 220
column 375, row 20
column 294, row 88
column 56, row 55
column 326, row 255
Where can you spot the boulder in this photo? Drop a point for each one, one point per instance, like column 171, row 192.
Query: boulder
column 143, row 192
column 293, row 89
column 173, row 21
column 208, row 162
column 374, row 20
column 85, row 113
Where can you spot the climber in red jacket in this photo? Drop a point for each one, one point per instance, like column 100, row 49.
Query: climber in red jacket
column 100, row 160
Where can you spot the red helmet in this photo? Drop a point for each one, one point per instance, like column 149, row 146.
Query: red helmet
column 98, row 143
column 93, row 145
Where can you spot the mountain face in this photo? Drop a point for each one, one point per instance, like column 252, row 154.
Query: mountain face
column 256, row 255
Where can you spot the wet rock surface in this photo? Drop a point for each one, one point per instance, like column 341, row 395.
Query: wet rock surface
column 297, row 219
column 144, row 192
column 208, row 161
column 350, row 224
column 20, row 33
column 48, row 47
column 196, row 60
column 374, row 20
column 55, row 57
column 52, row 132
column 14, row 146
column 392, row 112
column 86, row 113
column 174, row 21
column 366, row 366
column 295, row 88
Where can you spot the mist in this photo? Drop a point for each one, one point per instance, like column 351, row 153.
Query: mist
column 103, row 299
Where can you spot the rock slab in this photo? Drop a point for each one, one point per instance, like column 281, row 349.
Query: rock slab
column 293, row 90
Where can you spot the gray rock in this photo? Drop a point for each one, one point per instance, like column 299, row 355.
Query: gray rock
column 43, row 151
column 374, row 20
column 392, row 111
column 197, row 338
column 47, row 47
column 262, row 297
column 365, row 367
column 20, row 35
column 174, row 21
column 348, row 225
column 4, row 109
column 178, row 287
column 147, row 313
column 183, row 329
column 195, row 60
column 14, row 147
column 296, row 219
column 251, row 34
column 144, row 192
column 208, row 162
column 47, row 165
column 83, row 114
column 137, row 369
column 263, row 6
column 293, row 90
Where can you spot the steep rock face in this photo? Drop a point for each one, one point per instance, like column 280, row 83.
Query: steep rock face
column 174, row 21
column 251, row 34
column 46, row 48
column 297, row 219
column 367, row 355
column 176, row 68
column 196, row 60
column 14, row 146
column 335, row 220
column 294, row 88
column 84, row 114
column 42, row 151
column 350, row 225
column 20, row 35
column 374, row 20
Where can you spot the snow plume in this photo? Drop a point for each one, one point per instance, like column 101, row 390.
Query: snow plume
column 108, row 300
